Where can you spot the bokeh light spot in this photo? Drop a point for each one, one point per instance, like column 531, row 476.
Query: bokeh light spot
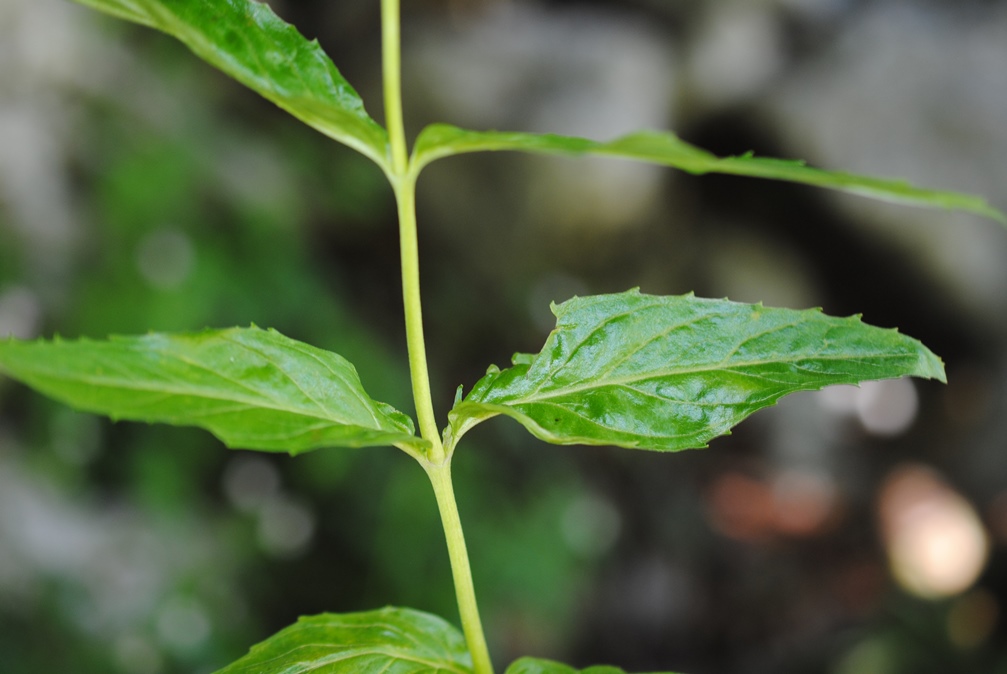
column 249, row 482
column 285, row 527
column 885, row 408
column 935, row 542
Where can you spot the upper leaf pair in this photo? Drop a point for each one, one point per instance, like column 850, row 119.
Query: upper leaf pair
column 271, row 57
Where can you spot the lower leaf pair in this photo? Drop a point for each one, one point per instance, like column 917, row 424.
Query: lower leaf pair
column 386, row 641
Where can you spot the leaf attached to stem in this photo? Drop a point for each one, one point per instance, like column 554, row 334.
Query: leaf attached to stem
column 252, row 388
column 670, row 373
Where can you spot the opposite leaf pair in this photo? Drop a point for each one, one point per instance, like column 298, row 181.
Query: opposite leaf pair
column 628, row 369
column 248, row 42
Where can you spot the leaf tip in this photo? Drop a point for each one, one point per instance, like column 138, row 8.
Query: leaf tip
column 931, row 366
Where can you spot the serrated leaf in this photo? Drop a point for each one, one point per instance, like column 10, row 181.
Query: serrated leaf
column 247, row 41
column 667, row 149
column 252, row 388
column 540, row 666
column 670, row 373
column 386, row 641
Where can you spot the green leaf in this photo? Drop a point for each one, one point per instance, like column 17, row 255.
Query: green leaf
column 252, row 388
column 670, row 373
column 442, row 140
column 386, row 641
column 540, row 666
column 247, row 41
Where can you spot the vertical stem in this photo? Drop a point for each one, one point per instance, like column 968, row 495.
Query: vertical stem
column 404, row 185
column 405, row 195
column 391, row 65
column 436, row 463
column 440, row 478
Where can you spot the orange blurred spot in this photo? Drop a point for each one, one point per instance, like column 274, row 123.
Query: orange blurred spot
column 750, row 509
column 805, row 503
column 741, row 507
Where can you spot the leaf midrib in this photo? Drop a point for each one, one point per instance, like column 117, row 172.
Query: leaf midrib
column 696, row 318
column 170, row 391
column 257, row 401
column 626, row 381
column 392, row 656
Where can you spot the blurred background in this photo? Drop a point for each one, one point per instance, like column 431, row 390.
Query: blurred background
column 851, row 531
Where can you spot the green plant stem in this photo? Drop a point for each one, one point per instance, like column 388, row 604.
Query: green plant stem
column 437, row 464
column 440, row 478
column 391, row 76
column 404, row 184
column 405, row 195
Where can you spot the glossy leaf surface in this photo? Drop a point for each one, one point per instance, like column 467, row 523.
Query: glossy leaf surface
column 540, row 666
column 252, row 388
column 386, row 641
column 442, row 140
column 247, row 41
column 670, row 373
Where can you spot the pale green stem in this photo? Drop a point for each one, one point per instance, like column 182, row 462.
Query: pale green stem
column 405, row 195
column 436, row 463
column 391, row 62
column 440, row 478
